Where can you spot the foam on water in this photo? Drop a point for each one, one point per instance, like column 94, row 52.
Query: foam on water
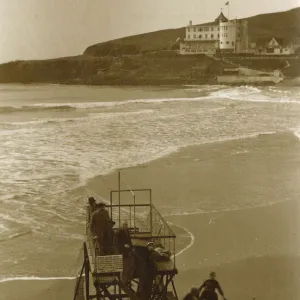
column 8, row 279
column 296, row 132
column 54, row 155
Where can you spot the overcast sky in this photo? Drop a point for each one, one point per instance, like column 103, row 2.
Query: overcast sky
column 33, row 29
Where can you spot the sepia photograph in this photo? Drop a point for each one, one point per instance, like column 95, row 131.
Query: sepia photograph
column 150, row 150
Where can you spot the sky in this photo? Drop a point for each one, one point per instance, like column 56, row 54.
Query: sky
column 39, row 29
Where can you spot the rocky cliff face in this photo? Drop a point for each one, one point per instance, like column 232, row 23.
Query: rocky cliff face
column 108, row 70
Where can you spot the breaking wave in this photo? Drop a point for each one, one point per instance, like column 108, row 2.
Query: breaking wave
column 88, row 105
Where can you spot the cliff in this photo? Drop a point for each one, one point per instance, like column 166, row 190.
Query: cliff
column 166, row 68
column 150, row 59
column 280, row 25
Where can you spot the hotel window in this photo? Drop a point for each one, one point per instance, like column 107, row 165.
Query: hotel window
column 232, row 43
column 221, row 42
column 218, row 35
column 188, row 36
column 206, row 36
column 227, row 42
column 200, row 36
column 212, row 36
column 200, row 28
column 194, row 36
column 211, row 28
column 194, row 29
column 206, row 28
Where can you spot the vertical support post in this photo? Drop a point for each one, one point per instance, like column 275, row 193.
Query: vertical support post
column 86, row 272
column 119, row 188
column 174, row 289
column 79, row 281
column 119, row 286
column 111, row 207
column 174, row 249
column 151, row 224
column 134, row 212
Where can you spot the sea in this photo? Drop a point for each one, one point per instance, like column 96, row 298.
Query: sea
column 55, row 138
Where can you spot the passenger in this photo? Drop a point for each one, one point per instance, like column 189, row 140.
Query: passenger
column 158, row 253
column 124, row 243
column 110, row 237
column 92, row 206
column 210, row 286
column 100, row 227
column 192, row 295
column 125, row 247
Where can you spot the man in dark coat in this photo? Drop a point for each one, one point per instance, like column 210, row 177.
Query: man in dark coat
column 92, row 207
column 210, row 286
column 100, row 221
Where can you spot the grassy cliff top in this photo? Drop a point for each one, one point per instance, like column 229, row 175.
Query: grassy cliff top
column 284, row 25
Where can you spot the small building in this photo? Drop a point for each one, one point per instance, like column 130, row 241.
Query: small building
column 274, row 46
column 220, row 35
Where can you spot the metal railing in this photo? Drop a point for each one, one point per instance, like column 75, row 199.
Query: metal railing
column 143, row 219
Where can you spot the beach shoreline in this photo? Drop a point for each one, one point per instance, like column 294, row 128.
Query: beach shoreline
column 245, row 243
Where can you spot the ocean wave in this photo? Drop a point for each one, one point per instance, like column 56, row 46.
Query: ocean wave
column 254, row 94
column 15, row 235
column 88, row 105
column 35, row 108
column 296, row 132
column 225, row 210
column 7, row 279
column 192, row 239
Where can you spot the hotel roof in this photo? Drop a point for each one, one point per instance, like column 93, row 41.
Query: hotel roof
column 221, row 18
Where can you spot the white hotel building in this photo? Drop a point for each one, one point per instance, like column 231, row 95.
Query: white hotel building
column 221, row 35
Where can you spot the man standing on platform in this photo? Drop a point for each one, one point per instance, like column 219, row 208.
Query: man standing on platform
column 100, row 221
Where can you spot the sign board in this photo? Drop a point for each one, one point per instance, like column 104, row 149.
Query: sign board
column 109, row 263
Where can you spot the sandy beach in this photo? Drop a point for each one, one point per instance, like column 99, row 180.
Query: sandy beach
column 252, row 243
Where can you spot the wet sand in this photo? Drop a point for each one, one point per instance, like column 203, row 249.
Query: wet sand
column 254, row 250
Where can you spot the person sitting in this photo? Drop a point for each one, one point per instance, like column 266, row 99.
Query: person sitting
column 210, row 286
column 158, row 253
column 123, row 239
column 192, row 295
column 125, row 247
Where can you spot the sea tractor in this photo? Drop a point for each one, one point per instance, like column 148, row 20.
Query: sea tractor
column 152, row 251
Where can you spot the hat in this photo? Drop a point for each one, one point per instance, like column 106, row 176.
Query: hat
column 100, row 204
column 212, row 274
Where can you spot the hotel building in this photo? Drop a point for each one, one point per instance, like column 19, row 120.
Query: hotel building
column 220, row 35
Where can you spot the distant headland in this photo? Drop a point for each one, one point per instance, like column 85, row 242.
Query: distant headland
column 194, row 54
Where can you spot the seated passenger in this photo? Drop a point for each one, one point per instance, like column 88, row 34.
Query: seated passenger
column 123, row 239
column 125, row 247
column 158, row 253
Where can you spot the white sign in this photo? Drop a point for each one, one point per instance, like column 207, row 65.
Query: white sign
column 109, row 263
